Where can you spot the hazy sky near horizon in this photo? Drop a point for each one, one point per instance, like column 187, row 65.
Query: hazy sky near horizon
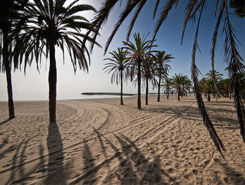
column 34, row 85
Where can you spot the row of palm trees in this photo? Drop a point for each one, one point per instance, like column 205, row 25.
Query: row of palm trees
column 136, row 61
column 193, row 10
column 214, row 84
column 179, row 84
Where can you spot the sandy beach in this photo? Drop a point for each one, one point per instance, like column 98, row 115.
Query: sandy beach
column 101, row 142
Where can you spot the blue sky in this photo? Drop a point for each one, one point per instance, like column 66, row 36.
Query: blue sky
column 34, row 85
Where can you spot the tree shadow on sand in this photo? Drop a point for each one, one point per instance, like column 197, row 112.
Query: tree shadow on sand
column 5, row 121
column 145, row 170
column 19, row 174
column 231, row 175
column 55, row 162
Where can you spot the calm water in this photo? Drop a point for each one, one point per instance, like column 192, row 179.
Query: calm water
column 37, row 95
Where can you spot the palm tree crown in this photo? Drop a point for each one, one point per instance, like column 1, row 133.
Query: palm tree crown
column 117, row 63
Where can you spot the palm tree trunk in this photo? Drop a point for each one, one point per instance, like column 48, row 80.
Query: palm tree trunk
column 146, row 93
column 209, row 97
column 121, row 75
column 178, row 94
column 139, row 84
column 52, row 83
column 167, row 94
column 6, row 63
column 158, row 90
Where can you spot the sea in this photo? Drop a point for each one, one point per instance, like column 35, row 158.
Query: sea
column 43, row 95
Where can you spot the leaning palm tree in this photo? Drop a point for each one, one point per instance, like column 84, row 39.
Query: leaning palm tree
column 161, row 68
column 9, row 13
column 167, row 85
column 118, row 65
column 194, row 10
column 137, row 53
column 51, row 24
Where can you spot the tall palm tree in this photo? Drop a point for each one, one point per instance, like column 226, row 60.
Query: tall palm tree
column 161, row 68
column 51, row 24
column 167, row 85
column 194, row 10
column 8, row 15
column 137, row 53
column 118, row 65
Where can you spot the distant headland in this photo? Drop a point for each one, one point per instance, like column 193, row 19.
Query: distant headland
column 107, row 93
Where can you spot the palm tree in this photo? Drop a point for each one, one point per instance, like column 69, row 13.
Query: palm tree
column 215, row 76
column 138, row 51
column 187, row 85
column 51, row 24
column 8, row 14
column 177, row 80
column 118, row 65
column 148, row 72
column 182, row 84
column 161, row 67
column 167, row 85
column 206, row 86
column 194, row 10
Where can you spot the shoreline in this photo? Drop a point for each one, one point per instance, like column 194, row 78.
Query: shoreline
column 67, row 99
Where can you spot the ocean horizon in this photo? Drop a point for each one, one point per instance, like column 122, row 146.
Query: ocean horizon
column 43, row 95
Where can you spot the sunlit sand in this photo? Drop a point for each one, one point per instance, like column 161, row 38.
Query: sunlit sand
column 101, row 142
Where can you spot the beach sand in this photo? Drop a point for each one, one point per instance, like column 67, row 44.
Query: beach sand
column 101, row 142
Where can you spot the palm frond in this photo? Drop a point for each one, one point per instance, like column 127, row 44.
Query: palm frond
column 169, row 5
column 209, row 125
column 236, row 69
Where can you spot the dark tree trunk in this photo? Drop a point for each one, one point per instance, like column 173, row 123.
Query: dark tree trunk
column 121, row 75
column 52, row 83
column 146, row 92
column 139, row 84
column 178, row 94
column 167, row 95
column 158, row 90
column 7, row 65
column 209, row 97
